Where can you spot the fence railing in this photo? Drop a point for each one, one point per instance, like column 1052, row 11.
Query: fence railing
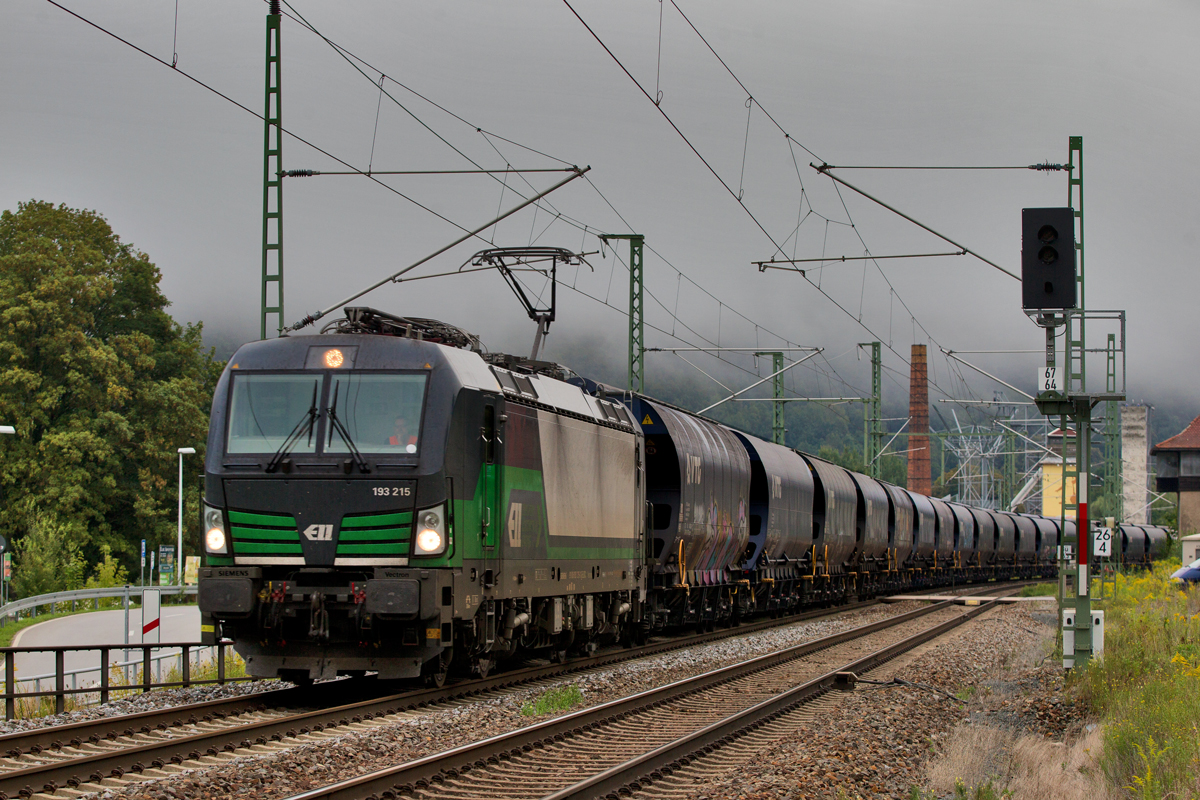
column 76, row 597
column 105, row 687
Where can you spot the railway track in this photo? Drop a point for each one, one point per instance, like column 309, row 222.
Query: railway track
column 64, row 760
column 627, row 744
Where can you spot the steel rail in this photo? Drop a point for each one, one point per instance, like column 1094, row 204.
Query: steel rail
column 37, row 739
column 115, row 763
column 641, row 771
column 435, row 768
column 97, row 766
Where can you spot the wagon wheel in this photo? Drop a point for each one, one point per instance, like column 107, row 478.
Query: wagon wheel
column 435, row 670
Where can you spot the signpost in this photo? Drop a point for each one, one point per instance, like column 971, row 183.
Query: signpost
column 166, row 564
column 142, row 574
column 7, row 556
column 191, row 572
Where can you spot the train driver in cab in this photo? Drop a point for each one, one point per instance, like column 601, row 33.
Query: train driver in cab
column 401, row 437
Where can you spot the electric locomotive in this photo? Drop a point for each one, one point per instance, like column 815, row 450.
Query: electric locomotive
column 389, row 499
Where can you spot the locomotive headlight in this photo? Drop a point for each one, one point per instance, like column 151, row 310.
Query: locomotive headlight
column 214, row 531
column 431, row 532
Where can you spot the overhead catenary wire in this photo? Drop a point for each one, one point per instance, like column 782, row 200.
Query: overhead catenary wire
column 310, row 173
column 350, row 57
column 824, row 169
column 325, row 152
column 253, row 113
column 1044, row 167
column 728, row 188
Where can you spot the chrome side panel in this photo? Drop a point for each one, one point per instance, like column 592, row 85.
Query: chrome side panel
column 590, row 475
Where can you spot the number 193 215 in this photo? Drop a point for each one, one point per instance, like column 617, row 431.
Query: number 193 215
column 391, row 491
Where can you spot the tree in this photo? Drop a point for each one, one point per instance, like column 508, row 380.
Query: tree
column 101, row 384
column 48, row 558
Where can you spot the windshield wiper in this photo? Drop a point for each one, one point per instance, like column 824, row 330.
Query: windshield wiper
column 335, row 424
column 305, row 426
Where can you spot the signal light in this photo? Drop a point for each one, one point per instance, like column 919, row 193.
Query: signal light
column 1048, row 258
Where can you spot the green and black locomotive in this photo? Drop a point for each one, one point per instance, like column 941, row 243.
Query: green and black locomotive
column 383, row 499
column 386, row 497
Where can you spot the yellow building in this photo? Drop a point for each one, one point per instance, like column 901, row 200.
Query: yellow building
column 1052, row 489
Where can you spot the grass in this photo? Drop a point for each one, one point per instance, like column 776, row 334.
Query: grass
column 1039, row 590
column 984, row 791
column 1146, row 687
column 551, row 701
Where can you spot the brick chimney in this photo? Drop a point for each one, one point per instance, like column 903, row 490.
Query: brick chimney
column 918, row 425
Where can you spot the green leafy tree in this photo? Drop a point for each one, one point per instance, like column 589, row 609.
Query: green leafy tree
column 101, row 384
column 48, row 559
column 108, row 573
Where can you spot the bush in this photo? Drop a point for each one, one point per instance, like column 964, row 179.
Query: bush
column 47, row 559
column 1147, row 685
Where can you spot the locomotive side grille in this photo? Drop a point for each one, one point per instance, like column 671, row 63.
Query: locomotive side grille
column 375, row 535
column 264, row 534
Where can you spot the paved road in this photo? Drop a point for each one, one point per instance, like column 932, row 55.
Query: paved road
column 179, row 624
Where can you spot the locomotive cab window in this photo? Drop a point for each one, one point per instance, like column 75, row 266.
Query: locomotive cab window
column 381, row 412
column 264, row 409
column 376, row 412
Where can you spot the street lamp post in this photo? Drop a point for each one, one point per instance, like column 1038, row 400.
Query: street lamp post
column 183, row 451
column 4, row 429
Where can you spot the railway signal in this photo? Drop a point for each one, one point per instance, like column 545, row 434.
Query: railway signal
column 1048, row 258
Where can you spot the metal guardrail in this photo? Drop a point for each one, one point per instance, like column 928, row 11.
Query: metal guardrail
column 105, row 687
column 125, row 593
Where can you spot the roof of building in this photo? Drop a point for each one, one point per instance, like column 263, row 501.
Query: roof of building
column 1188, row 439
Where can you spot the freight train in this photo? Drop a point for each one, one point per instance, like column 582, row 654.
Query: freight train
column 386, row 497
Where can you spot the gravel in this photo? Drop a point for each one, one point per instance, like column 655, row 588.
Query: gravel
column 875, row 742
column 419, row 733
column 148, row 701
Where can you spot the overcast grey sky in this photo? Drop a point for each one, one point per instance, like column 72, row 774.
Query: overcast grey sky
column 89, row 122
